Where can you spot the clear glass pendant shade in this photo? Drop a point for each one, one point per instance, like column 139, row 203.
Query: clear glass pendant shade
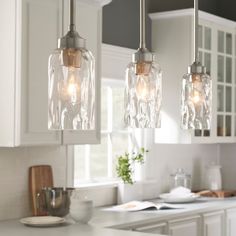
column 143, row 95
column 71, row 90
column 196, row 101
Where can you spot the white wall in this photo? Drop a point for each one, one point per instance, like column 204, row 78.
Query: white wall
column 14, row 164
column 163, row 160
column 166, row 158
column 228, row 163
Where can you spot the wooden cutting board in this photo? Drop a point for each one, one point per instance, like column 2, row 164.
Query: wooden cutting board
column 217, row 193
column 39, row 177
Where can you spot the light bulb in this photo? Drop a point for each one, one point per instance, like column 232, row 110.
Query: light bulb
column 70, row 91
column 142, row 88
column 73, row 85
column 197, row 88
column 196, row 98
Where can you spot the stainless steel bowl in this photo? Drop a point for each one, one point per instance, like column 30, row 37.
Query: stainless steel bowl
column 55, row 201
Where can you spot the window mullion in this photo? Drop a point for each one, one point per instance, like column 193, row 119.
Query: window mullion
column 109, row 157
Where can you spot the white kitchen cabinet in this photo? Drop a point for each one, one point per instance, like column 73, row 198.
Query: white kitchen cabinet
column 172, row 40
column 213, row 224
column 159, row 228
column 231, row 222
column 30, row 29
column 186, row 226
column 39, row 24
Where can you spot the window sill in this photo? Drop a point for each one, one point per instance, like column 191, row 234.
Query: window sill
column 97, row 185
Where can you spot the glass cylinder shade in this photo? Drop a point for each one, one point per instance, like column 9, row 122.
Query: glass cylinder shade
column 196, row 101
column 71, row 90
column 143, row 95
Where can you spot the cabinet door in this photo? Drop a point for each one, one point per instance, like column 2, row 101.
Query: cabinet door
column 231, row 222
column 8, row 73
column 213, row 224
column 184, row 227
column 160, row 228
column 89, row 26
column 40, row 26
column 225, row 85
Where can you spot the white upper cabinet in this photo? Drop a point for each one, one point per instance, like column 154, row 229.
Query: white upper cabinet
column 29, row 33
column 172, row 40
column 39, row 24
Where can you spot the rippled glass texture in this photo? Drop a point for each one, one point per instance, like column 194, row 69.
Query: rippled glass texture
column 143, row 95
column 196, row 102
column 71, row 90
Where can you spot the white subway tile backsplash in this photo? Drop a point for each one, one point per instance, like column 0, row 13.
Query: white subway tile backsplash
column 163, row 160
column 14, row 166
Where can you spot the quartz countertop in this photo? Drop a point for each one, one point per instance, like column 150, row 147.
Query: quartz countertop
column 109, row 223
column 15, row 228
column 120, row 220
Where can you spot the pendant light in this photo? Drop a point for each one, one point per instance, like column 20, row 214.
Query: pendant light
column 143, row 88
column 196, row 95
column 71, row 89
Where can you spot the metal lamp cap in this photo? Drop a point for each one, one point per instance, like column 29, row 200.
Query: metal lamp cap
column 197, row 68
column 142, row 55
column 71, row 40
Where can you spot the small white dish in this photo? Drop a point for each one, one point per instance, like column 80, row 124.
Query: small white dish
column 81, row 211
column 42, row 221
column 169, row 198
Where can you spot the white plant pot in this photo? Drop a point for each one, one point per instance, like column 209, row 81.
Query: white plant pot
column 129, row 192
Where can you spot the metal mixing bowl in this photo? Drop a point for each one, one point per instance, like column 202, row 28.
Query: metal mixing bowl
column 56, row 201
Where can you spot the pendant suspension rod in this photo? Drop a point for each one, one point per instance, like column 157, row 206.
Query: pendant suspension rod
column 142, row 24
column 196, row 30
column 72, row 15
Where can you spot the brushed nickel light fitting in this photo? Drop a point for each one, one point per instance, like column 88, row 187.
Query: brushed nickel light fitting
column 196, row 95
column 143, row 85
column 71, row 90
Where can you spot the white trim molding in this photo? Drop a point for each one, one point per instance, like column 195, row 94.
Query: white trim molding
column 189, row 12
column 114, row 61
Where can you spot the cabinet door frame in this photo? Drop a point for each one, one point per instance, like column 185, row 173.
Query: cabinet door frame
column 208, row 216
column 149, row 227
column 228, row 213
column 25, row 134
column 215, row 27
column 196, row 219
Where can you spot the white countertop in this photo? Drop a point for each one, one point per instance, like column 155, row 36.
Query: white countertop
column 106, row 223
column 15, row 228
column 122, row 220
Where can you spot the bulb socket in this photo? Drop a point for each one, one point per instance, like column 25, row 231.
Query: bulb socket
column 71, row 40
column 142, row 55
column 71, row 57
column 142, row 59
column 197, row 68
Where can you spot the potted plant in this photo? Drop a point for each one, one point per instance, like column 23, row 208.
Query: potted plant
column 129, row 189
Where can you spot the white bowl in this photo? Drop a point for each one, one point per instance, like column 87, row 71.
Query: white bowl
column 81, row 211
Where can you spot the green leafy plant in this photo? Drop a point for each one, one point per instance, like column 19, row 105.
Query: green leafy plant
column 125, row 162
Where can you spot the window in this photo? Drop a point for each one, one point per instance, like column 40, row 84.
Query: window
column 96, row 163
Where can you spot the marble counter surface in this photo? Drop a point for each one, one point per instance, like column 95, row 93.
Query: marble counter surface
column 120, row 220
column 15, row 228
column 109, row 223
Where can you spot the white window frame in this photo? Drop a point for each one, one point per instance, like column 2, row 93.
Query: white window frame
column 109, row 180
